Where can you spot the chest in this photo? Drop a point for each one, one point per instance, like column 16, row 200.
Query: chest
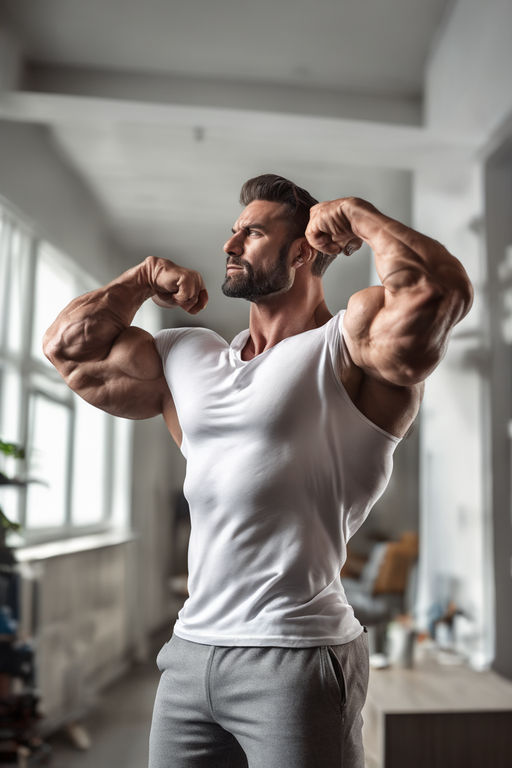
column 281, row 391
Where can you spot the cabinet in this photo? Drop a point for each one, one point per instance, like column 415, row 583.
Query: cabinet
column 437, row 716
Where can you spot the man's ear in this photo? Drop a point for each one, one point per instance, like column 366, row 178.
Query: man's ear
column 305, row 253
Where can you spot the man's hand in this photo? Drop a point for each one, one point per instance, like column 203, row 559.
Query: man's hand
column 175, row 286
column 329, row 229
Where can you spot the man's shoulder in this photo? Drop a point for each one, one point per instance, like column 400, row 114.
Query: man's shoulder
column 170, row 338
column 185, row 330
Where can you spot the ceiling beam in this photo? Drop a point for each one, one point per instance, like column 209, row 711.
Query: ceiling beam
column 353, row 142
column 222, row 93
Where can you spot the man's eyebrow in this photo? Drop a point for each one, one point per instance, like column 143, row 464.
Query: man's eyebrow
column 251, row 225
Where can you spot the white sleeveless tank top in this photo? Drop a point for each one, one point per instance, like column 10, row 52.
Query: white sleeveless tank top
column 282, row 469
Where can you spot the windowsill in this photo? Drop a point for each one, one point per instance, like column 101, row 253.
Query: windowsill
column 72, row 545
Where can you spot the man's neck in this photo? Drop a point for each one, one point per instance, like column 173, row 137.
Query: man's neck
column 276, row 318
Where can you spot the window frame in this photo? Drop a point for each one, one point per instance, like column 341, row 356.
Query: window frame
column 36, row 378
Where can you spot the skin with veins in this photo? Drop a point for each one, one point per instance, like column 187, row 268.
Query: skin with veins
column 395, row 334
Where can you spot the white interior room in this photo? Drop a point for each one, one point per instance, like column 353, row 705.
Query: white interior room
column 127, row 130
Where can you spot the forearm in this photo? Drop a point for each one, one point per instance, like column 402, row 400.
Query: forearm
column 86, row 329
column 405, row 259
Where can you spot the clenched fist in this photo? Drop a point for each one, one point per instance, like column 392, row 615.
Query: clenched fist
column 175, row 286
column 329, row 229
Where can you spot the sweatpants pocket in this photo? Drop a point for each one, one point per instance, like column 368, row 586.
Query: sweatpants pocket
column 334, row 673
column 160, row 659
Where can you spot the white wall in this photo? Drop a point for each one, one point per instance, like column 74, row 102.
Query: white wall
column 468, row 78
column 10, row 59
column 468, row 95
column 454, row 516
column 498, row 197
column 42, row 186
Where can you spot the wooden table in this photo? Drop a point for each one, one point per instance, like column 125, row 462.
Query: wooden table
column 438, row 716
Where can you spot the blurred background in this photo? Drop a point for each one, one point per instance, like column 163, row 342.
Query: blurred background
column 127, row 129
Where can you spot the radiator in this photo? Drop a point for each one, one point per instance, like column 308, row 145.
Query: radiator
column 78, row 611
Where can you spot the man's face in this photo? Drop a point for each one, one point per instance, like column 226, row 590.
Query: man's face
column 257, row 253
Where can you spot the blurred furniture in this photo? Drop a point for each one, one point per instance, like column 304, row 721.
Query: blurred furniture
column 386, row 583
column 437, row 716
column 20, row 743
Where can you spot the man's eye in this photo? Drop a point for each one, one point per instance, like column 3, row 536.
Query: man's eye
column 254, row 232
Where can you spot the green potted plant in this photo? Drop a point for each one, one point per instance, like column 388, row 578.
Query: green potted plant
column 6, row 525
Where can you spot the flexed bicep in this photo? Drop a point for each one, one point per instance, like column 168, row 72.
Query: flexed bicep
column 399, row 338
column 128, row 382
column 398, row 332
column 111, row 364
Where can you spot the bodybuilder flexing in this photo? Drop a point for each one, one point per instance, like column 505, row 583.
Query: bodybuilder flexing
column 288, row 433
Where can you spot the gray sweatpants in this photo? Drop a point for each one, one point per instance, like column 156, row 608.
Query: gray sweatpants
column 259, row 707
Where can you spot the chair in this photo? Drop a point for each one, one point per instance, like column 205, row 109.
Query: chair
column 385, row 586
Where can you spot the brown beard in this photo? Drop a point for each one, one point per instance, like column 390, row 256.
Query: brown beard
column 254, row 284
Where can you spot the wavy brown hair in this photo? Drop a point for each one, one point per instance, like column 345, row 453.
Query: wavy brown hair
column 277, row 189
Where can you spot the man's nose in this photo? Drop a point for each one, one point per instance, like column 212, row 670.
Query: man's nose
column 235, row 245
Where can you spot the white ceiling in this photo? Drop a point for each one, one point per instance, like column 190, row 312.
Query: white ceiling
column 164, row 109
column 357, row 45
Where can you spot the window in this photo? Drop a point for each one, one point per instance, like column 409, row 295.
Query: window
column 49, row 427
column 77, row 457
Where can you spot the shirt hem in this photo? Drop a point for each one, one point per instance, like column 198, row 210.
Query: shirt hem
column 281, row 641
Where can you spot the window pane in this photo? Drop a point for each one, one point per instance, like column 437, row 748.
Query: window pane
column 10, row 403
column 76, row 450
column 48, row 452
column 10, row 412
column 121, row 478
column 54, row 288
column 10, row 502
column 17, row 290
column 14, row 274
column 4, row 272
column 89, row 464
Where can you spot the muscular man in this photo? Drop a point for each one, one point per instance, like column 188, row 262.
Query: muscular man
column 289, row 433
